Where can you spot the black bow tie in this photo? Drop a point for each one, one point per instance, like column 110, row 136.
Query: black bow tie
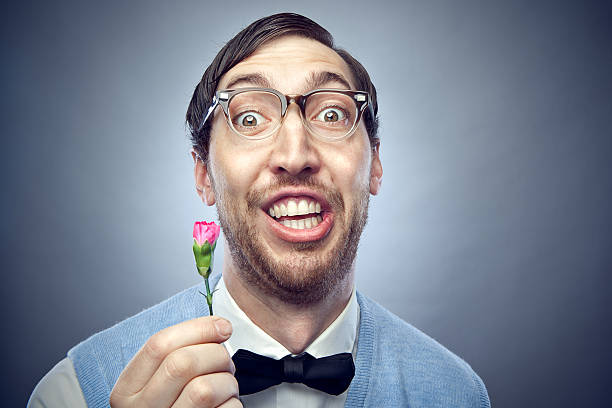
column 331, row 374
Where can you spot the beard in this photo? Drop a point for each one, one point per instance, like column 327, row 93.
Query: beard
column 310, row 272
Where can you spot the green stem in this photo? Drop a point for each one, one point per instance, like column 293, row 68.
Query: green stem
column 208, row 296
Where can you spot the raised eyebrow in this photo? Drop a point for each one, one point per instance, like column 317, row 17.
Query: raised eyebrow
column 257, row 79
column 320, row 79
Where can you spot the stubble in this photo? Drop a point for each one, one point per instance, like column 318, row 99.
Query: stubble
column 312, row 271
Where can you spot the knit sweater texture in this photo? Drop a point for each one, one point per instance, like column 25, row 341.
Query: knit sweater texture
column 396, row 365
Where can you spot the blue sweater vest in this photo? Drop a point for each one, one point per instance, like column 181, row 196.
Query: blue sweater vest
column 396, row 364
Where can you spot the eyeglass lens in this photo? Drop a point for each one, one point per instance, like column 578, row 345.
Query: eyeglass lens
column 257, row 114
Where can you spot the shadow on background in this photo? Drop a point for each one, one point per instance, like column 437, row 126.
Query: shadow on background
column 492, row 231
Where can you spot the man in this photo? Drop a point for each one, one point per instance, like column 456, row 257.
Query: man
column 285, row 144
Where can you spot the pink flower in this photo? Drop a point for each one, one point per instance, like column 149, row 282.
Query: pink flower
column 206, row 231
column 205, row 235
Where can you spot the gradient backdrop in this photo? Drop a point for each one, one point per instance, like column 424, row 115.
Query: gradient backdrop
column 492, row 233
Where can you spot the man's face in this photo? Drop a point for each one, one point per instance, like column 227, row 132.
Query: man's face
column 298, row 258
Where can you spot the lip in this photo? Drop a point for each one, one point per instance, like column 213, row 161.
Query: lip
column 300, row 235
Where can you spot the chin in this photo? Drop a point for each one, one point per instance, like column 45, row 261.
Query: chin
column 302, row 276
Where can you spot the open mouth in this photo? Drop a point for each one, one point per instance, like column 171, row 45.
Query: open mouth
column 297, row 212
column 299, row 216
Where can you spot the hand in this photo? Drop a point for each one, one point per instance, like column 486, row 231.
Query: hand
column 181, row 366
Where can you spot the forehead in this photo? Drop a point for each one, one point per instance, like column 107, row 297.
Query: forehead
column 288, row 64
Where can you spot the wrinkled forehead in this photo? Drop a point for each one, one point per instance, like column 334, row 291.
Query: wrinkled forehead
column 292, row 65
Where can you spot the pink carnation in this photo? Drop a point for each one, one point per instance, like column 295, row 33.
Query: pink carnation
column 206, row 231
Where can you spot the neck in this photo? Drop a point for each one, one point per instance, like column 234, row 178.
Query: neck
column 293, row 326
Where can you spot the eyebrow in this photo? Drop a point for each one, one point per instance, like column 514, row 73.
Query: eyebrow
column 320, row 79
column 257, row 79
column 315, row 80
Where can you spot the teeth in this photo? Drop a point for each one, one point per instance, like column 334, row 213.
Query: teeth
column 311, row 207
column 304, row 223
column 302, row 207
column 292, row 208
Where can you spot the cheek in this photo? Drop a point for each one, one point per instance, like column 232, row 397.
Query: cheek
column 238, row 165
column 350, row 167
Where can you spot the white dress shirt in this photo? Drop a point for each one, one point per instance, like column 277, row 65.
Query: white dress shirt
column 339, row 337
column 60, row 386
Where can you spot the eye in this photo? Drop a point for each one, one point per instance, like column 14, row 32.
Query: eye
column 249, row 119
column 331, row 114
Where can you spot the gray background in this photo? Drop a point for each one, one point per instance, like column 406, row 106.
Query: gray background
column 492, row 232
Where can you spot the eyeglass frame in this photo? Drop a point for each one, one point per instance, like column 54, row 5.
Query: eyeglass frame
column 223, row 97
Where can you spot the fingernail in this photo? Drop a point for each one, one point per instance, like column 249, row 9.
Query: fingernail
column 224, row 328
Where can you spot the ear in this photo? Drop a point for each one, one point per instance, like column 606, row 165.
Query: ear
column 376, row 171
column 202, row 180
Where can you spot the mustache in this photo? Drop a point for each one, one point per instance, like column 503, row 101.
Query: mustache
column 255, row 198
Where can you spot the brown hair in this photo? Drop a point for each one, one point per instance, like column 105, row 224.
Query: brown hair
column 243, row 45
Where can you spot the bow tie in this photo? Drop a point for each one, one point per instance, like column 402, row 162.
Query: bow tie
column 331, row 374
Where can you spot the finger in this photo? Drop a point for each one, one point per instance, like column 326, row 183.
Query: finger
column 209, row 329
column 209, row 390
column 231, row 403
column 180, row 367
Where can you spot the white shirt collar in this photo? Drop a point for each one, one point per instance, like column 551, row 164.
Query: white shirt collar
column 339, row 337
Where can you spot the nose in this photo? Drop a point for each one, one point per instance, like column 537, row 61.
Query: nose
column 294, row 152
